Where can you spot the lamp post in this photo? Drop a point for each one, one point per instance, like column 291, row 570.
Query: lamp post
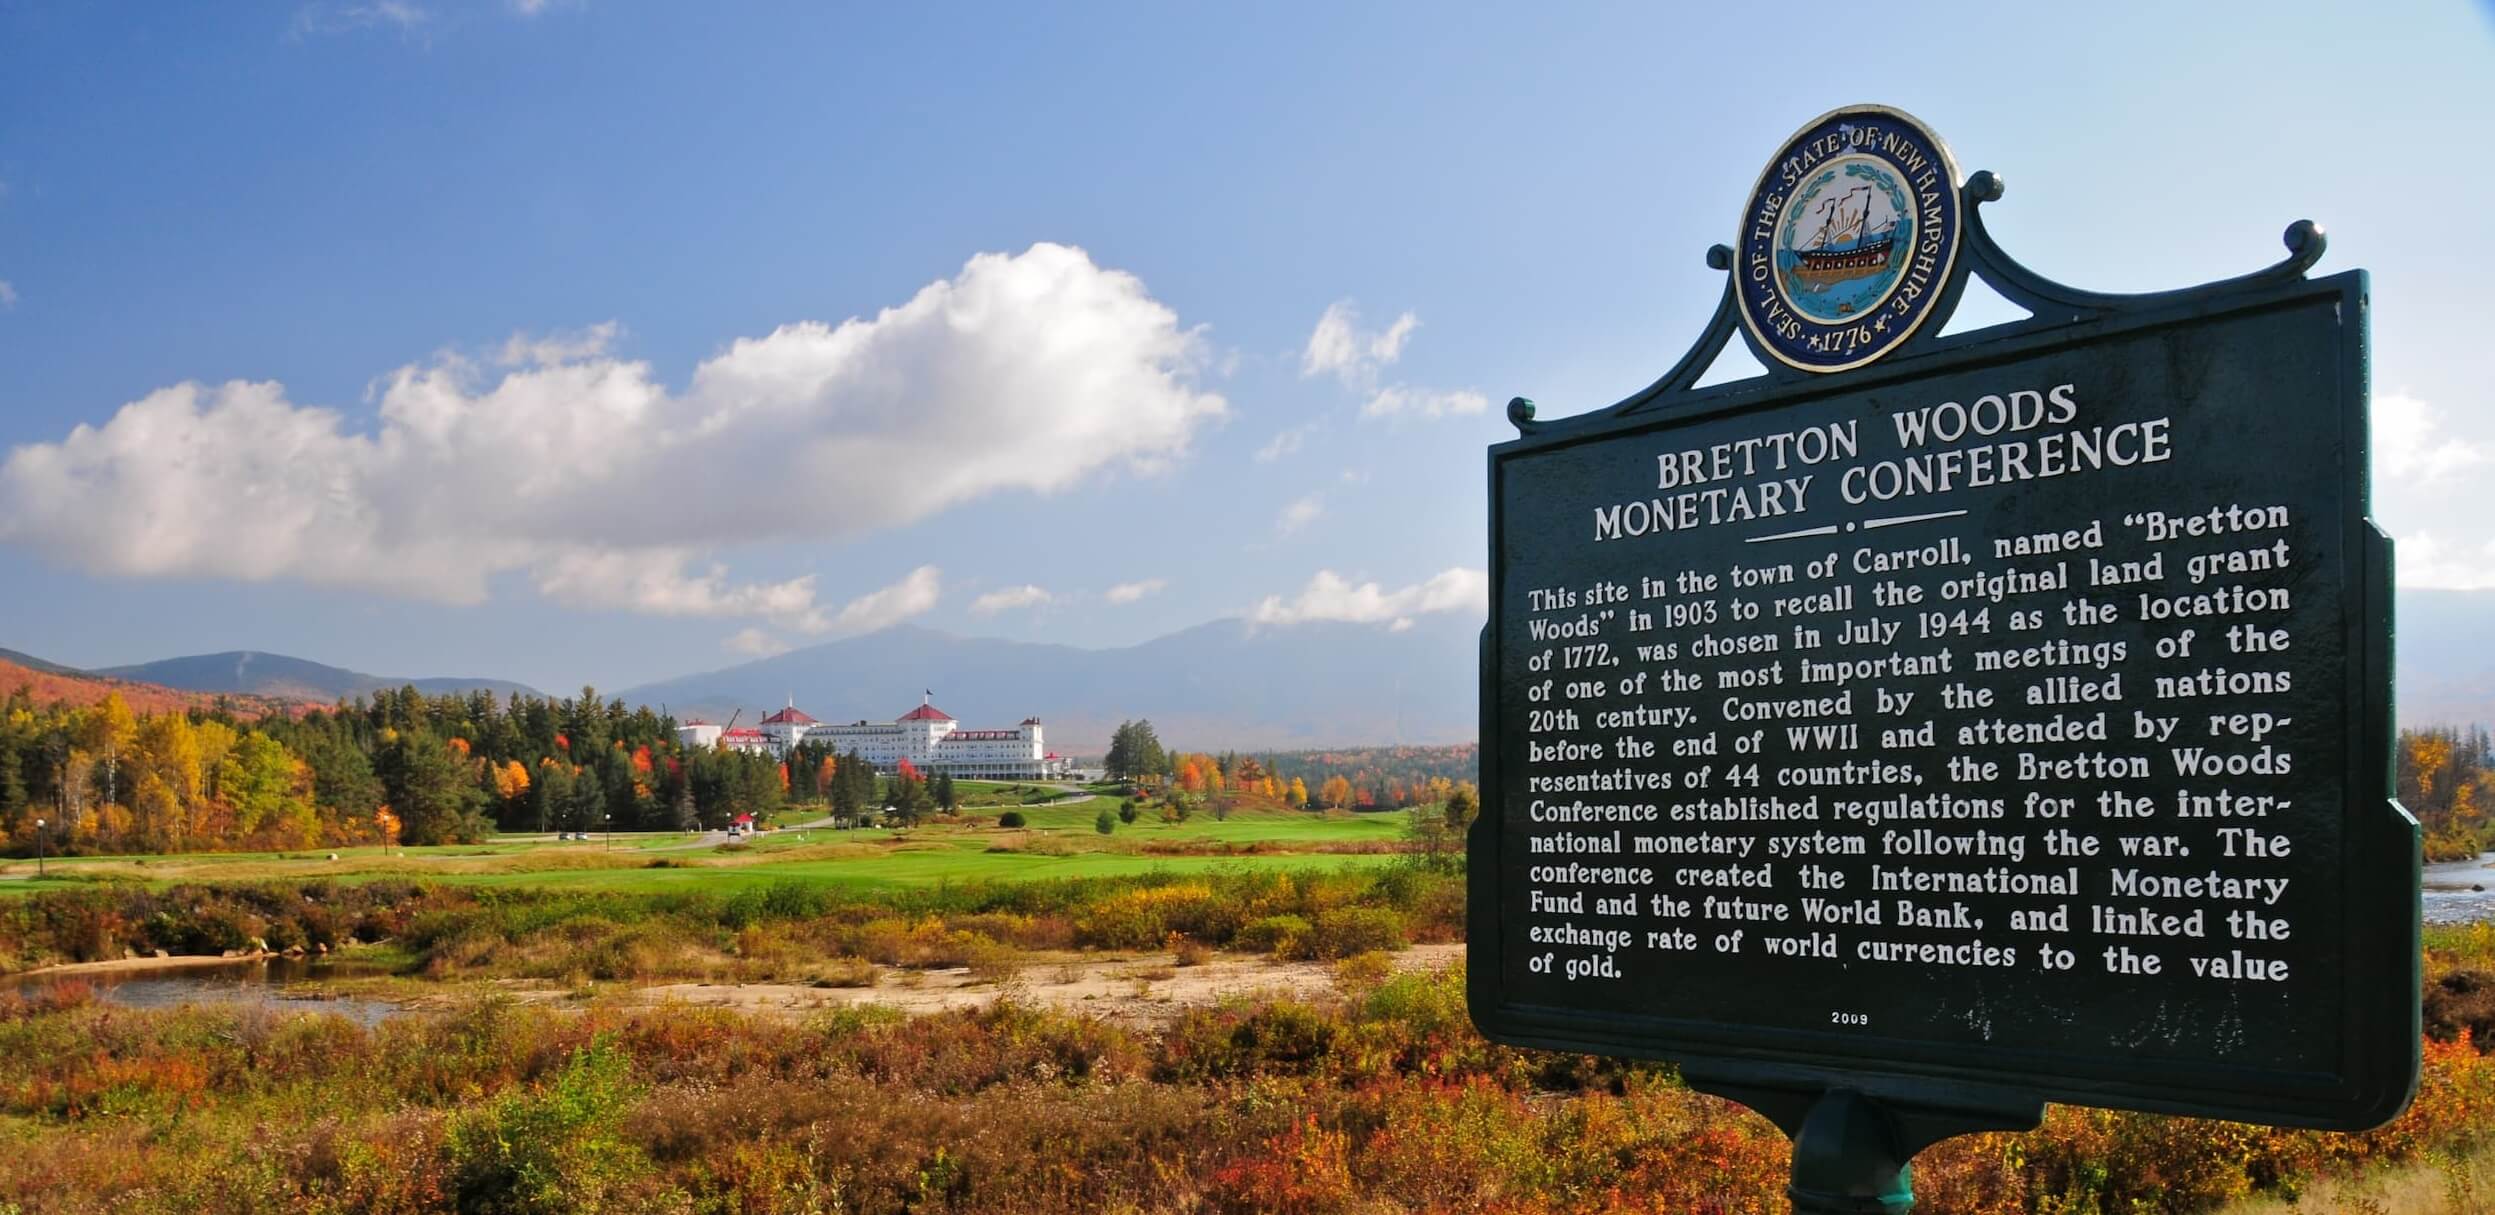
column 610, row 832
column 38, row 847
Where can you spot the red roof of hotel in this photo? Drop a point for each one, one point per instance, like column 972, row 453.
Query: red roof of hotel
column 926, row 713
column 790, row 716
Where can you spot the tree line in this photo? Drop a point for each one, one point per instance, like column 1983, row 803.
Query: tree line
column 1370, row 778
column 409, row 768
column 399, row 767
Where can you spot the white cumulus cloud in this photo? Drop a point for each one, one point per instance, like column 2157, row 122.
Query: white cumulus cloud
column 2434, row 493
column 657, row 582
column 338, row 18
column 1330, row 596
column 1423, row 402
column 1302, row 511
column 547, row 350
column 902, row 600
column 1283, row 444
column 2430, row 561
column 1008, row 599
column 1024, row 373
column 1129, row 592
column 1340, row 347
column 2412, row 441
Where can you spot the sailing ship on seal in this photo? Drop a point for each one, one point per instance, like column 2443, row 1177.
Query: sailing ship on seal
column 1839, row 249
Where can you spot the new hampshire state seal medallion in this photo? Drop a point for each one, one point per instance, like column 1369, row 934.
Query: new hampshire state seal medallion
column 1848, row 239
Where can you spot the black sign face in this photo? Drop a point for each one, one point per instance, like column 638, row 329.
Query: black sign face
column 2015, row 714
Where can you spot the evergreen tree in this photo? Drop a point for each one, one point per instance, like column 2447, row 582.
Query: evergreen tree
column 908, row 798
column 343, row 782
column 861, row 776
column 1120, row 762
column 846, row 802
column 1149, row 758
column 436, row 800
column 1106, row 823
column 585, row 807
column 623, row 806
column 549, row 793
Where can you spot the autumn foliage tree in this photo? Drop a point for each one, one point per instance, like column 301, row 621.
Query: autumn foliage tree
column 2446, row 777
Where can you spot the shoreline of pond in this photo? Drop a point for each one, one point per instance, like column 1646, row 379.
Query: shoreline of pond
column 149, row 962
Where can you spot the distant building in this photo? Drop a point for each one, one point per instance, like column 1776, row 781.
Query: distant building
column 697, row 733
column 932, row 741
column 928, row 737
column 748, row 740
column 787, row 727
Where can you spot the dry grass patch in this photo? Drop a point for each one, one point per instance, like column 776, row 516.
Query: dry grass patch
column 847, row 972
column 2442, row 1184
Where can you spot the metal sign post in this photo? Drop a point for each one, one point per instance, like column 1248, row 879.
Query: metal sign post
column 1937, row 726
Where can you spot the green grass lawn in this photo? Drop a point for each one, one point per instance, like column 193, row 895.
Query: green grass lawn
column 1244, row 826
column 914, row 867
column 1060, row 842
column 988, row 795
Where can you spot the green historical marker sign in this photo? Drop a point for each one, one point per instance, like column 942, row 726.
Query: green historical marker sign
column 1937, row 726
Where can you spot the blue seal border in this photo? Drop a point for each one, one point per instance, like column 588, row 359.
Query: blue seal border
column 1922, row 162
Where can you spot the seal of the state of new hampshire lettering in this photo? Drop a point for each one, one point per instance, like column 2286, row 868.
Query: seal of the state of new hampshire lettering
column 1848, row 239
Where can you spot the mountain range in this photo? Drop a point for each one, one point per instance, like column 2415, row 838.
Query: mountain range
column 1225, row 684
column 249, row 672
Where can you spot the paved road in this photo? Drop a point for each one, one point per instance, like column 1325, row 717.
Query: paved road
column 712, row 839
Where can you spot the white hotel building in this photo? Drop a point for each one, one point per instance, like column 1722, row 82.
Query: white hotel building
column 928, row 737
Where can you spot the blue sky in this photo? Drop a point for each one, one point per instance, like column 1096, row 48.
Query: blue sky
column 512, row 332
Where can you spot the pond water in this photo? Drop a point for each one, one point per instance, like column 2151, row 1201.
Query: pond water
column 2458, row 892
column 280, row 984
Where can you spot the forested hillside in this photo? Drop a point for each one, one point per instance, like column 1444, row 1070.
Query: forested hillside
column 49, row 683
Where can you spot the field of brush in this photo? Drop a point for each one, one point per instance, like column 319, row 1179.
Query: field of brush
column 1263, row 1013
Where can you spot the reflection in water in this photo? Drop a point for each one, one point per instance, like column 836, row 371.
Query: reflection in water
column 259, row 981
column 2458, row 892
